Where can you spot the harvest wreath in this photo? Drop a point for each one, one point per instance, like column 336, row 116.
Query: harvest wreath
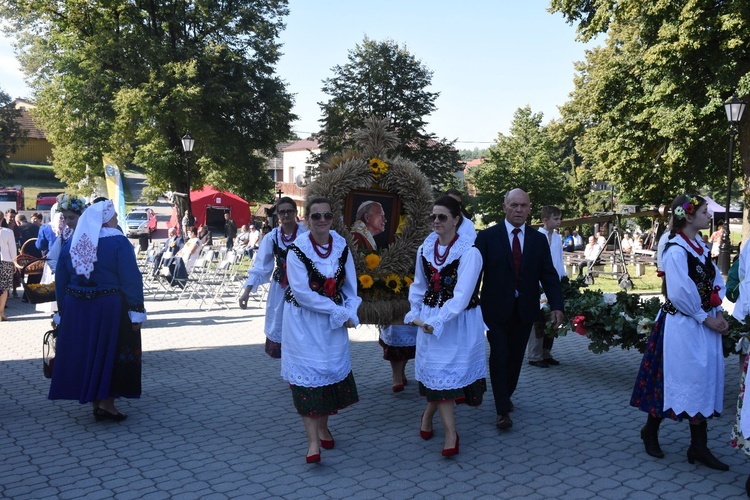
column 383, row 275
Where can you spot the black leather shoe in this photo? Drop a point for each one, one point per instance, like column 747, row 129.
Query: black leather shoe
column 551, row 361
column 539, row 364
column 512, row 407
column 503, row 422
column 100, row 414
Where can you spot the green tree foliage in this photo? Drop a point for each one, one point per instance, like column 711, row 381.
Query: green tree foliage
column 528, row 159
column 472, row 154
column 647, row 105
column 12, row 136
column 384, row 80
column 128, row 78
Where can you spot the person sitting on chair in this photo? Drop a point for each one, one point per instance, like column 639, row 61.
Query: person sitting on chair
column 173, row 245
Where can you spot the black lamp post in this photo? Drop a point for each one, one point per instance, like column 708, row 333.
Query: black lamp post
column 734, row 108
column 187, row 145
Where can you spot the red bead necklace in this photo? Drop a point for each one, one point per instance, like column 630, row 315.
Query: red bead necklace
column 288, row 239
column 322, row 253
column 441, row 258
column 698, row 248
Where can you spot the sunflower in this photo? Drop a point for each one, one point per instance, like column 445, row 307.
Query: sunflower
column 393, row 282
column 408, row 281
column 378, row 167
column 372, row 260
column 366, row 281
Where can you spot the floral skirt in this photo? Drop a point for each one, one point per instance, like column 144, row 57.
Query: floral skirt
column 273, row 349
column 648, row 393
column 7, row 269
column 738, row 440
column 470, row 395
column 326, row 400
column 394, row 353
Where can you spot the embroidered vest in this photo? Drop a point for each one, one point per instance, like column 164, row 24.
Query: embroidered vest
column 441, row 284
column 279, row 256
column 702, row 274
column 317, row 281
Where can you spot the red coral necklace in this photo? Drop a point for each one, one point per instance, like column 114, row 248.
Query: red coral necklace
column 288, row 239
column 698, row 248
column 322, row 252
column 441, row 258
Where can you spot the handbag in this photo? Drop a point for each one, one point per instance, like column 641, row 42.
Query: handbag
column 49, row 341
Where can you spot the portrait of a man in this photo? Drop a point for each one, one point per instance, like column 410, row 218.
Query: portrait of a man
column 369, row 222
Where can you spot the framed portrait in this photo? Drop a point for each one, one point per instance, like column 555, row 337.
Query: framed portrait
column 368, row 204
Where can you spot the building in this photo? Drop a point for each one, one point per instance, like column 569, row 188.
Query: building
column 36, row 149
column 291, row 168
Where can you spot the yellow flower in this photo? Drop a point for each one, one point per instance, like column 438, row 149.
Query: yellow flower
column 408, row 281
column 372, row 261
column 365, row 280
column 393, row 282
column 378, row 167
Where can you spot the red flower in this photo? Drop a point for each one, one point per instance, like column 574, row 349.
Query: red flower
column 689, row 208
column 329, row 287
column 579, row 322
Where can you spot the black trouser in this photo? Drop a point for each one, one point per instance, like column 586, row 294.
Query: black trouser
column 507, row 348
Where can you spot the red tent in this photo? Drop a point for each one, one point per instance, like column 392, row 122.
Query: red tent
column 209, row 205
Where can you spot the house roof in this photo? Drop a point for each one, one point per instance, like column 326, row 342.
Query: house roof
column 27, row 123
column 302, row 146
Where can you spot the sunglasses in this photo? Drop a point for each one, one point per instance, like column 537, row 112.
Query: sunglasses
column 318, row 216
column 282, row 213
column 440, row 217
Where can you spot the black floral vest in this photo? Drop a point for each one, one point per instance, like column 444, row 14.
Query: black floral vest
column 319, row 283
column 702, row 274
column 279, row 256
column 440, row 284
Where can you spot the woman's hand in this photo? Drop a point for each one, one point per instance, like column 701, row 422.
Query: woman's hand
column 718, row 324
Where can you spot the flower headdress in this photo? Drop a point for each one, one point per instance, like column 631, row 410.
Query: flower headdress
column 70, row 202
column 687, row 208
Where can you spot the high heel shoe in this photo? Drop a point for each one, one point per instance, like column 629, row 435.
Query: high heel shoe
column 449, row 452
column 398, row 388
column 326, row 443
column 101, row 414
column 424, row 434
column 313, row 459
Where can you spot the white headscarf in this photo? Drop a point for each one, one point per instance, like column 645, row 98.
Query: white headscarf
column 89, row 229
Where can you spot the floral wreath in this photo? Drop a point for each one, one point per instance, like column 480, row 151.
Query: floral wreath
column 383, row 276
column 687, row 208
column 71, row 203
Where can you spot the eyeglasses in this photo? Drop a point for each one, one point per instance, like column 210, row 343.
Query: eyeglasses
column 440, row 217
column 318, row 215
column 282, row 213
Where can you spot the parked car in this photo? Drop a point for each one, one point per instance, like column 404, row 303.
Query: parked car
column 141, row 221
column 44, row 201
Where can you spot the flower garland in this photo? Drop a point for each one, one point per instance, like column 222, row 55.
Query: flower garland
column 71, row 203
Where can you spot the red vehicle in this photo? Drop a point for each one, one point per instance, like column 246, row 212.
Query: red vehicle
column 11, row 197
column 44, row 201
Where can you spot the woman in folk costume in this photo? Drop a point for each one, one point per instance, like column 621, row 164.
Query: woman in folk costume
column 322, row 304
column 57, row 225
column 682, row 371
column 100, row 301
column 741, row 428
column 451, row 363
column 270, row 264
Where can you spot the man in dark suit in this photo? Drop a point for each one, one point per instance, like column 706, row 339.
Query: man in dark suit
column 516, row 259
column 173, row 244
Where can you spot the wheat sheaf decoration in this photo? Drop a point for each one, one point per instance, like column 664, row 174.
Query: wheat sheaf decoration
column 385, row 274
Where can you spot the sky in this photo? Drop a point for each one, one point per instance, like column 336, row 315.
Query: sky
column 488, row 58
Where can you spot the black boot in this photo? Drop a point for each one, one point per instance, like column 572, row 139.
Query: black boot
column 650, row 436
column 699, row 448
column 747, row 486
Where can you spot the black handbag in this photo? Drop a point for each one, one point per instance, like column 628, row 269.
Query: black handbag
column 49, row 341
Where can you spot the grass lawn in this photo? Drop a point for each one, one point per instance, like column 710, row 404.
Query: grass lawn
column 648, row 283
column 34, row 179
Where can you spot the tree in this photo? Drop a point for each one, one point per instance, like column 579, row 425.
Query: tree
column 127, row 79
column 12, row 136
column 526, row 159
column 648, row 104
column 384, row 80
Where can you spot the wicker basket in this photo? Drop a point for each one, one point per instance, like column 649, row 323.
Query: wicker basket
column 39, row 293
column 28, row 264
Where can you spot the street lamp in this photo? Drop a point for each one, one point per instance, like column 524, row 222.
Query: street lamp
column 734, row 108
column 187, row 145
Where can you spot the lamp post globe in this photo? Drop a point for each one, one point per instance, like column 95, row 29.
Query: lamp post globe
column 734, row 108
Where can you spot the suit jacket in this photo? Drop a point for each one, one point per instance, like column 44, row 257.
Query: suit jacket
column 178, row 244
column 498, row 274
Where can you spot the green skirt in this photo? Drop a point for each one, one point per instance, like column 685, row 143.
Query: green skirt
column 470, row 395
column 326, row 400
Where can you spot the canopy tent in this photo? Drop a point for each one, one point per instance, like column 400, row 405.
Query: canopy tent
column 209, row 206
column 718, row 211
